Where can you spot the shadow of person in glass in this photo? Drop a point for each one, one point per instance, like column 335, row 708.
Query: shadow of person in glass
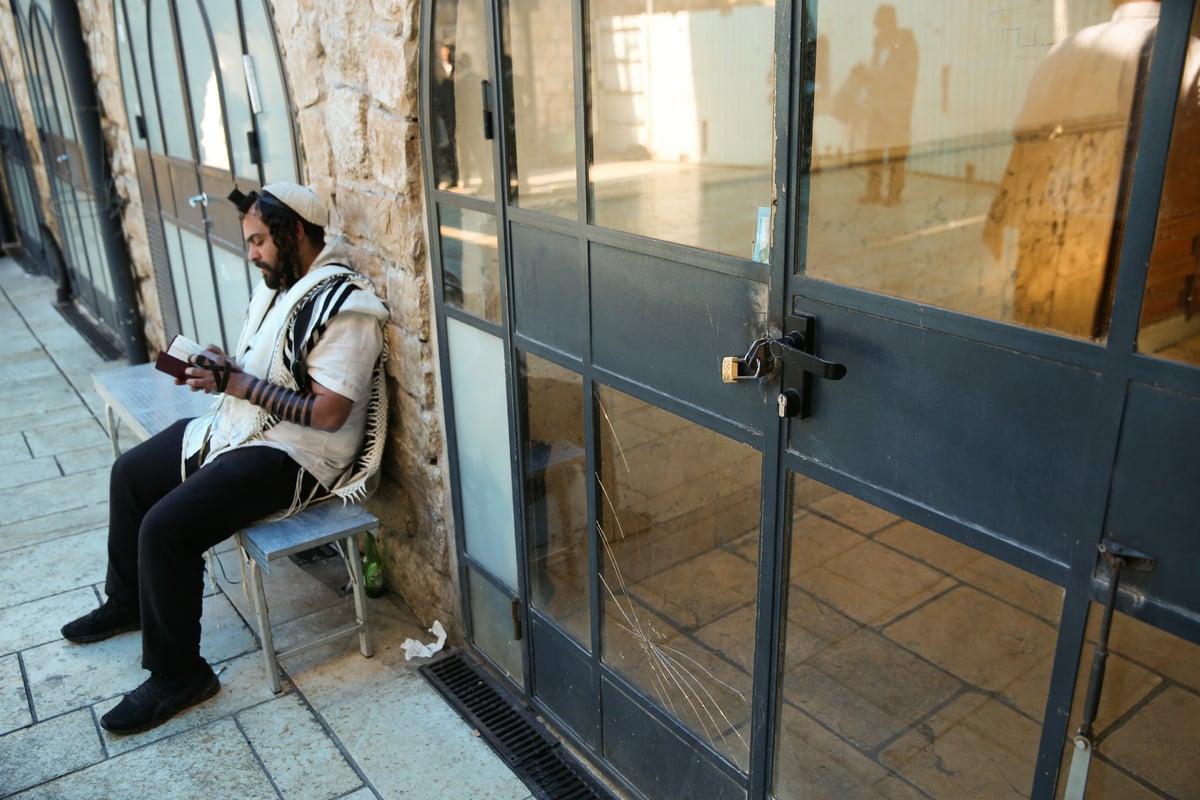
column 1056, row 212
column 445, row 119
column 878, row 97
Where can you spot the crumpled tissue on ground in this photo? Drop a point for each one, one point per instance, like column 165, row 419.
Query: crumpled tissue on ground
column 414, row 649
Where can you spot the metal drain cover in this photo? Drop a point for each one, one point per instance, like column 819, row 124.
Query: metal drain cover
column 531, row 752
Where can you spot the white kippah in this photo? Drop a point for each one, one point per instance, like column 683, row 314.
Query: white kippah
column 302, row 200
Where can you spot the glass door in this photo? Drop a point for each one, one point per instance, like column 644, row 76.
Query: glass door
column 799, row 345
column 603, row 233
column 22, row 189
column 63, row 127
column 208, row 115
column 972, row 249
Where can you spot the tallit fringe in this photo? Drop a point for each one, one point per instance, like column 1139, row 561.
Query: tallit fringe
column 355, row 485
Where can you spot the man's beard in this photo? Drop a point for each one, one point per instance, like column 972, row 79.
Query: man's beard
column 276, row 277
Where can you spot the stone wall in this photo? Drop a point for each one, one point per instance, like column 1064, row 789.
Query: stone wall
column 352, row 70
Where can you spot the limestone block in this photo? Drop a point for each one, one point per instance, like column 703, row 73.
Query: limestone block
column 394, row 12
column 408, row 296
column 389, row 135
column 344, row 29
column 345, row 117
column 305, row 61
column 387, row 68
column 314, row 142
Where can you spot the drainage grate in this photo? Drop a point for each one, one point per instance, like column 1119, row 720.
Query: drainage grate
column 535, row 756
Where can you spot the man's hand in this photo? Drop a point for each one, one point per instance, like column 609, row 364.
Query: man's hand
column 211, row 370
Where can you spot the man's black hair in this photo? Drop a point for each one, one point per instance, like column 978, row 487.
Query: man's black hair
column 272, row 209
column 281, row 221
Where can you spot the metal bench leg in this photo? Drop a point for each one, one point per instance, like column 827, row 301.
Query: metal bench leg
column 262, row 615
column 112, row 428
column 354, row 565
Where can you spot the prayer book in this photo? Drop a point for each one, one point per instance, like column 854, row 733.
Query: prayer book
column 174, row 360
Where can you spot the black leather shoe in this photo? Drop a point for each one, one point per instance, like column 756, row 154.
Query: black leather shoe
column 160, row 698
column 107, row 620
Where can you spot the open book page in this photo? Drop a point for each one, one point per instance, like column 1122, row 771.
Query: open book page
column 174, row 360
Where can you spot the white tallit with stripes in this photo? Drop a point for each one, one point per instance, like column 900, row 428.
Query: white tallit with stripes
column 327, row 288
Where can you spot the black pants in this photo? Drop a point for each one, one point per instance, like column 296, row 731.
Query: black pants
column 160, row 526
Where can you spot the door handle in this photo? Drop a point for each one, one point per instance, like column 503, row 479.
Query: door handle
column 198, row 200
column 765, row 354
column 485, row 89
column 796, row 349
column 793, row 349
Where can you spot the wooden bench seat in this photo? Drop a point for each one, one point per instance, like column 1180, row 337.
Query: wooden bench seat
column 147, row 401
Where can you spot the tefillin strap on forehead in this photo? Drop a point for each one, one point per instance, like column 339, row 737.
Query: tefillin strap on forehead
column 243, row 201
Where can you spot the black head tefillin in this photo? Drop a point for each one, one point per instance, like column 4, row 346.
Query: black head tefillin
column 243, row 201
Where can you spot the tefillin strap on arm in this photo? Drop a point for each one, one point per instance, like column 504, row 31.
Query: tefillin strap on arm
column 282, row 403
column 221, row 371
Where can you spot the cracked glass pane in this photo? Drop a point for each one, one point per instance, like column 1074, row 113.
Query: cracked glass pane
column 913, row 666
column 678, row 530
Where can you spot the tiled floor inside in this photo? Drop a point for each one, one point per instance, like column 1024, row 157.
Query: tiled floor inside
column 344, row 726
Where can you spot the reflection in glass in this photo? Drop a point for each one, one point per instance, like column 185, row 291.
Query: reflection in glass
column 1170, row 324
column 1145, row 727
column 539, row 69
column 682, row 120
column 678, row 528
column 274, row 121
column 470, row 262
column 873, row 597
column 462, row 157
column 556, row 494
column 973, row 160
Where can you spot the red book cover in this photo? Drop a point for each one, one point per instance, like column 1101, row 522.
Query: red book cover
column 174, row 360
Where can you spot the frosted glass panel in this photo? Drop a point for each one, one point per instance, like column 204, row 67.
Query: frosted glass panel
column 484, row 462
column 492, row 624
column 233, row 287
column 201, row 290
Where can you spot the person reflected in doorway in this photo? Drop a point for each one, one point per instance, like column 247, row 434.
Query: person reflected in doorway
column 1058, row 201
column 445, row 119
column 888, row 85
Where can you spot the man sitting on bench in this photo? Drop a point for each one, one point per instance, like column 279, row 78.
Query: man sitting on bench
column 300, row 414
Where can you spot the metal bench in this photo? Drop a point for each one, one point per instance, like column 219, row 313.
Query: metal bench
column 147, row 401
